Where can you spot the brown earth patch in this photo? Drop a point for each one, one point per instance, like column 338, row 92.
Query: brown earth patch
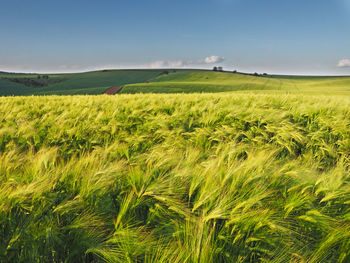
column 113, row 90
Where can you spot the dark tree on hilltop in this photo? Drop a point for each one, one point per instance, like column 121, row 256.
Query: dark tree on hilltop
column 215, row 69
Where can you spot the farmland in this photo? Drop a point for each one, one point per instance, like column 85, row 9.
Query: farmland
column 96, row 82
column 208, row 81
column 156, row 81
column 227, row 177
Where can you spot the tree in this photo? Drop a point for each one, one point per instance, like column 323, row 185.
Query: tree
column 215, row 69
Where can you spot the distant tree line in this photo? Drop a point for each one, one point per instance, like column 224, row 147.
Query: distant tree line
column 39, row 81
column 235, row 71
column 218, row 69
column 43, row 77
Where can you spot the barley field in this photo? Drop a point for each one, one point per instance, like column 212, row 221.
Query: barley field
column 226, row 177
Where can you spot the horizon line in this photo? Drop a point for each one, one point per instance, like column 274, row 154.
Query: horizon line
column 196, row 69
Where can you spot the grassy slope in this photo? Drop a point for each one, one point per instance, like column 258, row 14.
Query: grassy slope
column 208, row 81
column 8, row 88
column 182, row 81
column 81, row 83
column 224, row 177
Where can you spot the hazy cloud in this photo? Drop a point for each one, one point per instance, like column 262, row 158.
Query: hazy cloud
column 344, row 63
column 184, row 63
column 166, row 64
column 213, row 59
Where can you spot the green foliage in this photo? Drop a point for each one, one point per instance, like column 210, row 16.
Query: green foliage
column 240, row 177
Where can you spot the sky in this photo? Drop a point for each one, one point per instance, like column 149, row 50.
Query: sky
column 273, row 36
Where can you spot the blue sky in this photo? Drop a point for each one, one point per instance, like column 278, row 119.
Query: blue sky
column 274, row 36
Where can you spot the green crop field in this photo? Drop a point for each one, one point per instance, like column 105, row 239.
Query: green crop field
column 154, row 81
column 225, row 177
column 209, row 81
column 96, row 82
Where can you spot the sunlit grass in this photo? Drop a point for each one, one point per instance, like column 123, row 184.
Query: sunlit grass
column 237, row 177
column 206, row 81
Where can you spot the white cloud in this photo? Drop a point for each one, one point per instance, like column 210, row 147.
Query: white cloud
column 344, row 63
column 213, row 59
column 182, row 63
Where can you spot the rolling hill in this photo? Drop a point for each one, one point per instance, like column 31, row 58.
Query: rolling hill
column 209, row 81
column 164, row 81
column 256, row 175
column 96, row 82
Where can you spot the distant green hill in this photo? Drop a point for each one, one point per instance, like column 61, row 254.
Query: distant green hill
column 164, row 81
column 209, row 81
column 96, row 82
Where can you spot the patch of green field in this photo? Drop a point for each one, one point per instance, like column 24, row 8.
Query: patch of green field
column 207, row 81
column 80, row 83
column 179, row 81
column 9, row 88
column 229, row 177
